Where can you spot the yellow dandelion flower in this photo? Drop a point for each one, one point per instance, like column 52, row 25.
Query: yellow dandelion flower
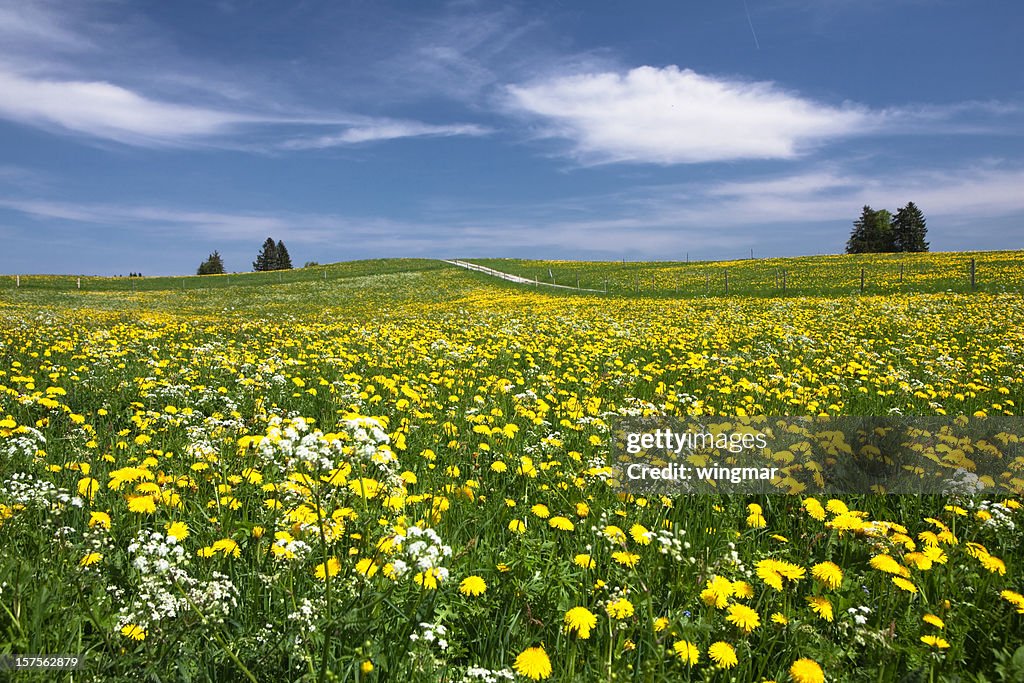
column 904, row 584
column 686, row 651
column 517, row 526
column 766, row 572
column 993, row 564
column 227, row 546
column 936, row 642
column 177, row 530
column 885, row 563
column 583, row 560
column 821, row 606
column 427, row 579
column 814, row 509
column 87, row 487
column 742, row 590
column 142, row 504
column 473, row 586
column 640, row 534
column 1014, row 598
column 793, row 572
column 620, row 608
column 561, row 523
column 134, row 632
column 743, row 617
column 717, row 592
column 581, row 620
column 779, row 618
column 837, row 507
column 828, row 573
column 626, row 559
column 660, row 624
column 367, row 567
column 723, row 654
column 90, row 559
column 934, row 620
column 327, row 569
column 540, row 510
column 806, row 670
column 99, row 519
column 533, row 662
column 756, row 520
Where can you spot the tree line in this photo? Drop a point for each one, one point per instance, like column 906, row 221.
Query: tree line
column 880, row 231
column 272, row 256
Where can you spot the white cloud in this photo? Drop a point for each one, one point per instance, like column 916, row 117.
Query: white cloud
column 385, row 130
column 107, row 111
column 671, row 116
column 110, row 112
column 26, row 24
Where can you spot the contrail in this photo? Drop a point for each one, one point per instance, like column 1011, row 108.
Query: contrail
column 749, row 21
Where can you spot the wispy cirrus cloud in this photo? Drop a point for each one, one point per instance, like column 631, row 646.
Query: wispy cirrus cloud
column 104, row 110
column 384, row 129
column 53, row 76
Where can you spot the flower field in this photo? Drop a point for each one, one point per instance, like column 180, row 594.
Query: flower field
column 405, row 476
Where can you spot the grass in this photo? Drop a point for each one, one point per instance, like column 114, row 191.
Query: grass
column 327, row 272
column 297, row 440
column 995, row 271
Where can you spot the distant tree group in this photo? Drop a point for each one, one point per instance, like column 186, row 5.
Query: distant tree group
column 880, row 231
column 213, row 265
column 273, row 256
column 134, row 274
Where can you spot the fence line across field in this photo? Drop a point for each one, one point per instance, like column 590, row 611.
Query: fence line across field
column 683, row 281
column 862, row 280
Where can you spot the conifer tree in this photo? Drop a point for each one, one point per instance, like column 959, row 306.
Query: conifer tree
column 284, row 261
column 860, row 236
column 267, row 258
column 872, row 232
column 909, row 230
column 213, row 265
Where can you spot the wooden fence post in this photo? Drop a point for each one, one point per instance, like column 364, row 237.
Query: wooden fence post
column 973, row 280
column 861, row 280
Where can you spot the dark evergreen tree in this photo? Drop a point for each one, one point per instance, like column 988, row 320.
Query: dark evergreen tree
column 909, row 230
column 871, row 233
column 860, row 236
column 213, row 265
column 267, row 258
column 284, row 261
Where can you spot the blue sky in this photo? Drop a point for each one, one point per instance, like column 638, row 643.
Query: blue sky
column 141, row 136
